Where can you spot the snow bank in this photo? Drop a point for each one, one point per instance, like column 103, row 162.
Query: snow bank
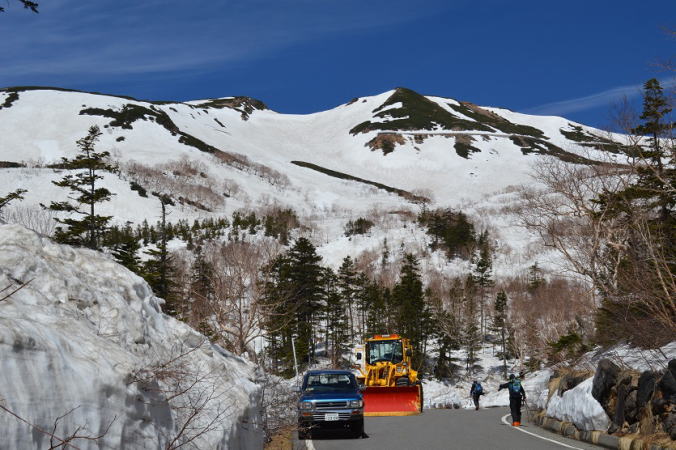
column 579, row 407
column 84, row 346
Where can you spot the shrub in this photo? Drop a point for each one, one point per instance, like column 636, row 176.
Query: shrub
column 359, row 226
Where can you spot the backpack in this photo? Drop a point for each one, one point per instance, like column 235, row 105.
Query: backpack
column 478, row 389
column 515, row 386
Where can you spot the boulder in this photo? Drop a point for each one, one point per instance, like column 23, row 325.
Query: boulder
column 669, row 424
column 631, row 408
column 646, row 387
column 667, row 385
column 604, row 380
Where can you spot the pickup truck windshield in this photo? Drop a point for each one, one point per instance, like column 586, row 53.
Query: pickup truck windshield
column 385, row 351
column 330, row 382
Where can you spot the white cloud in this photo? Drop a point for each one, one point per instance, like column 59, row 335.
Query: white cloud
column 600, row 99
column 72, row 38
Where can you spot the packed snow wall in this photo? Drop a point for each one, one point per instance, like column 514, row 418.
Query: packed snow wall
column 86, row 351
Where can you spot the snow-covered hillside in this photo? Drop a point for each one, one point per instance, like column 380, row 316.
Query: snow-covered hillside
column 372, row 156
column 85, row 350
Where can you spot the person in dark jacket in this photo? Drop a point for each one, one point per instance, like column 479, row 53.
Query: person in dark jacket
column 475, row 392
column 517, row 396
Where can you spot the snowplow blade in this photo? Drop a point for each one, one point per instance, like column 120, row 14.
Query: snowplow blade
column 392, row 401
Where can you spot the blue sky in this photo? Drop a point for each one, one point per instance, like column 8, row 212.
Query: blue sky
column 571, row 58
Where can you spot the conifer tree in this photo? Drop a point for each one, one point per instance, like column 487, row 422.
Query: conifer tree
column 86, row 195
column 294, row 292
column 500, row 326
column 471, row 333
column 348, row 290
column 125, row 253
column 483, row 266
column 14, row 195
column 159, row 271
column 337, row 326
column 409, row 302
column 201, row 292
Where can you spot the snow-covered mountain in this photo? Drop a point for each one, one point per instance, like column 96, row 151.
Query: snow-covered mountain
column 374, row 155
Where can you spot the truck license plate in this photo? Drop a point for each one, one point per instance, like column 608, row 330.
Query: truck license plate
column 330, row 416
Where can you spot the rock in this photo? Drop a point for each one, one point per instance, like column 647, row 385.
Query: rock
column 604, row 380
column 622, row 389
column 633, row 428
column 569, row 381
column 631, row 408
column 672, row 367
column 669, row 423
column 659, row 406
column 667, row 385
column 646, row 387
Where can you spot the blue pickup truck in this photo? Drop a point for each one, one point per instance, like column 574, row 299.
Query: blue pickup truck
column 330, row 399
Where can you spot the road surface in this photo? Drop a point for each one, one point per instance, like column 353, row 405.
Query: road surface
column 445, row 429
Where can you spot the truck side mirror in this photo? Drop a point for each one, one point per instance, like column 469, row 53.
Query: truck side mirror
column 359, row 356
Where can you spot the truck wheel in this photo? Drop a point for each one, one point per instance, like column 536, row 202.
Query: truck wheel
column 357, row 429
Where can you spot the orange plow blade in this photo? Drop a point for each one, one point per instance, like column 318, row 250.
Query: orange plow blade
column 392, row 401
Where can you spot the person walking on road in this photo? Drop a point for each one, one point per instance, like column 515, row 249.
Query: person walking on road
column 475, row 392
column 517, row 396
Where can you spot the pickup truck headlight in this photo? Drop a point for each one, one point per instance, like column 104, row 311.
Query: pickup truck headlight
column 356, row 403
column 307, row 406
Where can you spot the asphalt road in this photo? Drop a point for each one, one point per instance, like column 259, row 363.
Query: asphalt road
column 445, row 429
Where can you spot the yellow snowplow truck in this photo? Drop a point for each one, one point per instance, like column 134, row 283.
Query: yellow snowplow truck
column 391, row 386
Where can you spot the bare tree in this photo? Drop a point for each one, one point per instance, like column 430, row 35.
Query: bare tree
column 190, row 390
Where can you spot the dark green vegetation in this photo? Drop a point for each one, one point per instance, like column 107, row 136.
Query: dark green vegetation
column 10, row 165
column 244, row 105
column 451, row 231
column 577, row 134
column 14, row 195
column 359, row 226
column 27, row 4
column 308, row 300
column 138, row 188
column 416, row 113
column 495, row 121
column 343, row 176
column 463, row 149
column 83, row 226
column 11, row 98
column 638, row 288
column 542, row 147
column 130, row 113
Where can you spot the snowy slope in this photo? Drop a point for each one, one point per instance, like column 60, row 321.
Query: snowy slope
column 39, row 126
column 84, row 341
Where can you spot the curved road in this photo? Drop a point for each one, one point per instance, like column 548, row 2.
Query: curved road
column 445, row 429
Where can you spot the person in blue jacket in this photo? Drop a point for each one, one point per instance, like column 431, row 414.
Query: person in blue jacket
column 475, row 392
column 517, row 397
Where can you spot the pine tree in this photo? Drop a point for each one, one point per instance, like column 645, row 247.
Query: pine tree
column 337, row 326
column 294, row 293
column 14, row 195
column 535, row 279
column 412, row 314
column 656, row 182
column 125, row 253
column 471, row 336
column 201, row 293
column 348, row 290
column 159, row 270
column 500, row 326
column 483, row 266
column 87, row 229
